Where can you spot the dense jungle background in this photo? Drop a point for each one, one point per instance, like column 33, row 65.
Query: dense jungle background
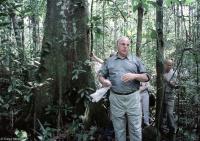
column 46, row 74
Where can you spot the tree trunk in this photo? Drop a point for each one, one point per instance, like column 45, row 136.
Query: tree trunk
column 103, row 23
column 18, row 24
column 64, row 56
column 139, row 29
column 35, row 25
column 198, row 20
column 91, row 28
column 34, row 34
column 115, row 34
column 159, row 63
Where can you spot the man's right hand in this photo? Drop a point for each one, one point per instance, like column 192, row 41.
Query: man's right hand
column 106, row 83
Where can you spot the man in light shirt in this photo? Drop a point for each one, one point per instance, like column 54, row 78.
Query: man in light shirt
column 169, row 96
column 123, row 72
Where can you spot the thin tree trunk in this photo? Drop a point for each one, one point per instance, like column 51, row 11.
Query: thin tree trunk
column 139, row 29
column 184, row 23
column 34, row 33
column 103, row 53
column 18, row 36
column 198, row 20
column 178, row 22
column 91, row 28
column 175, row 21
column 159, row 63
column 115, row 34
column 22, row 39
column 189, row 22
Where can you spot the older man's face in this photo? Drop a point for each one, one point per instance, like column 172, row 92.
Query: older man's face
column 168, row 65
column 123, row 47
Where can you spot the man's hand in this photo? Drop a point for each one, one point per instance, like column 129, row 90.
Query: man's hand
column 128, row 77
column 173, row 83
column 106, row 83
column 142, row 88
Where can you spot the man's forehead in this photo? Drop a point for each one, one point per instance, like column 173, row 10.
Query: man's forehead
column 168, row 62
column 124, row 39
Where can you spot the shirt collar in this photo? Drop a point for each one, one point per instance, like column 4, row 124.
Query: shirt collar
column 118, row 57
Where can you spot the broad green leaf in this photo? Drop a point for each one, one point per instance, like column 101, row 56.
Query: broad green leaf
column 153, row 34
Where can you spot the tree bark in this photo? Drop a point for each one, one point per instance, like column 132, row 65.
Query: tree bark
column 159, row 63
column 139, row 29
column 198, row 20
column 34, row 33
column 91, row 28
column 18, row 24
column 65, row 51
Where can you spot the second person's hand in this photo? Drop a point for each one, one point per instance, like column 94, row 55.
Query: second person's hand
column 106, row 83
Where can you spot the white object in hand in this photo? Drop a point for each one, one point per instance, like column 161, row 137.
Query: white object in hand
column 98, row 95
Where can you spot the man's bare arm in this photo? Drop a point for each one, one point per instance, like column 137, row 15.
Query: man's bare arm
column 96, row 58
column 132, row 76
column 104, row 82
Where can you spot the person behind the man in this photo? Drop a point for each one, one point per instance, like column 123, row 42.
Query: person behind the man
column 144, row 93
column 125, row 72
column 169, row 97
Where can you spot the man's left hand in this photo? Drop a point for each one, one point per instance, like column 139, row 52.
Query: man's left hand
column 128, row 77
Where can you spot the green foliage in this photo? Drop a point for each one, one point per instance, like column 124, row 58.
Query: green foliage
column 144, row 4
column 76, row 129
column 120, row 18
column 54, row 109
column 21, row 135
column 84, row 93
column 169, row 2
column 77, row 70
column 46, row 132
column 153, row 34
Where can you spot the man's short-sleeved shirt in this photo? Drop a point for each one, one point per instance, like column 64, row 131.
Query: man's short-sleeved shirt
column 115, row 67
column 170, row 76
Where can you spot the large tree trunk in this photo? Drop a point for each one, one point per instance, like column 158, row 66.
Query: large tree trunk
column 65, row 51
column 159, row 63
column 139, row 29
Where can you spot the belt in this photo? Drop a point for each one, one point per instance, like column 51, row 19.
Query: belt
column 123, row 93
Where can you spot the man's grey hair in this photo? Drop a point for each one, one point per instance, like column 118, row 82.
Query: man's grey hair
column 121, row 38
